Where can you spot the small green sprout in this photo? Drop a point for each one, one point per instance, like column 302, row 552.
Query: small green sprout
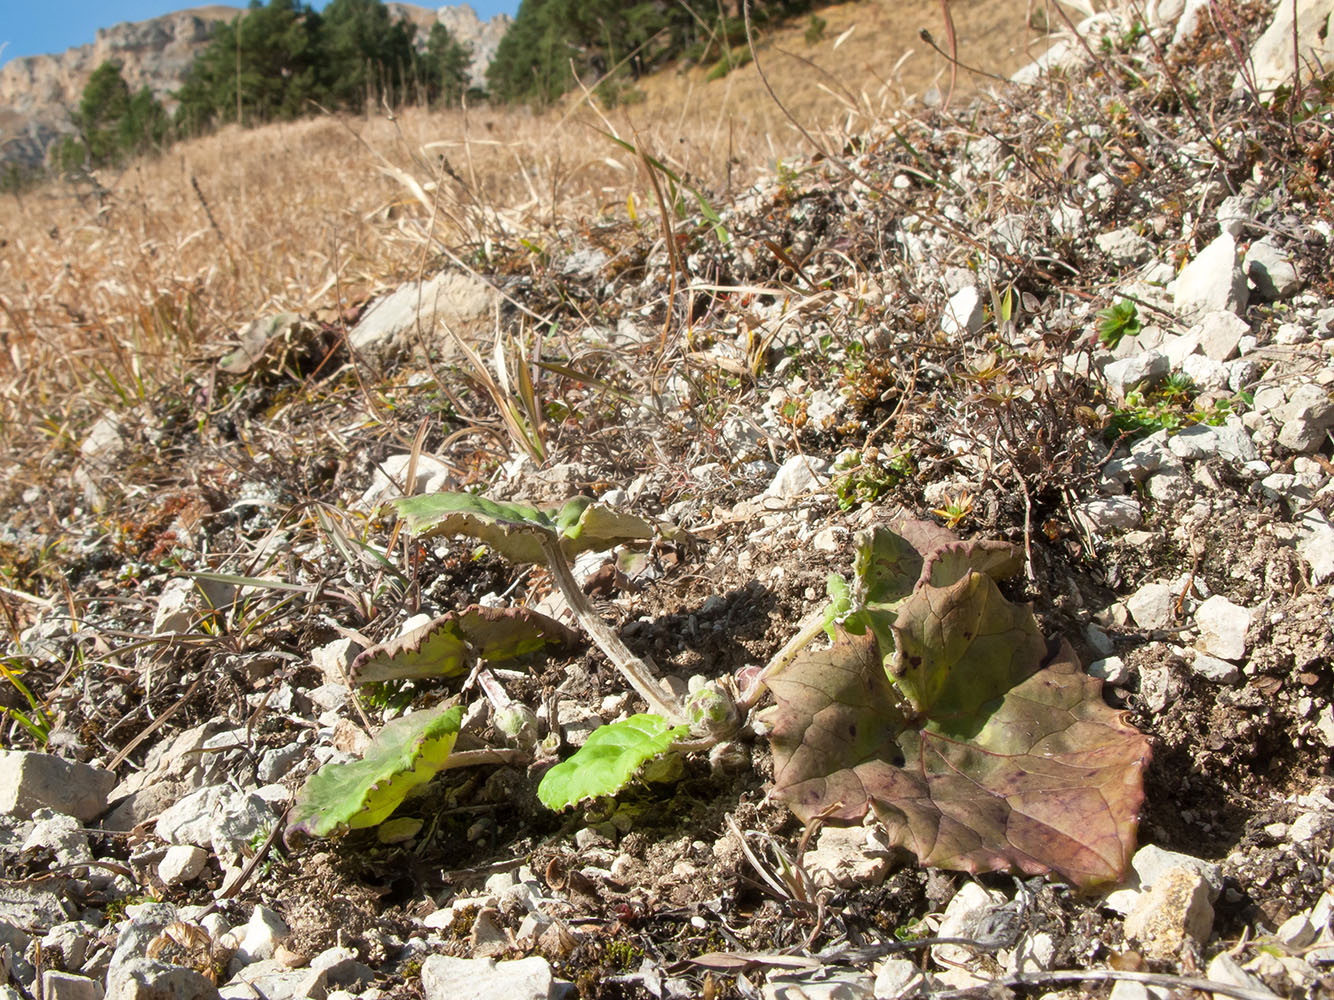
column 1118, row 321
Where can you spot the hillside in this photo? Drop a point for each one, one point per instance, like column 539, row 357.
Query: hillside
column 889, row 550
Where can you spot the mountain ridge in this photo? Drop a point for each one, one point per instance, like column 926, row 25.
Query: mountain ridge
column 39, row 92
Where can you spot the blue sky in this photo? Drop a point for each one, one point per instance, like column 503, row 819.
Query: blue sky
column 30, row 27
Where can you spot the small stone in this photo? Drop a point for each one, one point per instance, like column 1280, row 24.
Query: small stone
column 1034, row 953
column 1102, row 514
column 1125, row 990
column 898, row 977
column 798, row 476
column 334, row 659
column 218, row 817
column 826, row 540
column 1310, row 826
column 1296, row 931
column 1307, row 416
column 1149, row 864
column 1146, row 370
column 1111, row 669
column 1233, row 211
column 431, row 475
column 1211, row 668
column 263, row 932
column 1201, row 442
column 1272, row 273
column 1124, row 246
column 1212, row 281
column 182, row 863
column 963, row 915
column 840, row 858
column 1219, row 334
column 1207, row 374
column 1224, row 969
column 1172, row 916
column 1099, row 640
column 67, row 986
column 1223, row 626
column 1289, row 334
column 148, row 979
column 963, row 313
column 488, row 938
column 485, row 979
column 822, row 984
column 1153, row 606
column 30, row 781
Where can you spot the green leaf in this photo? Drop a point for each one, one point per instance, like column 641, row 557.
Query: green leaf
column 404, row 754
column 947, row 716
column 607, row 762
column 449, row 645
column 516, row 530
column 959, row 648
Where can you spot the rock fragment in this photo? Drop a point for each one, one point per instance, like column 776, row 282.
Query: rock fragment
column 1174, row 916
column 1223, row 626
column 30, row 781
column 1212, row 281
column 485, row 979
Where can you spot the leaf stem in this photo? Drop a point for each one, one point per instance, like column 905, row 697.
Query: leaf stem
column 487, row 755
column 810, row 627
column 638, row 672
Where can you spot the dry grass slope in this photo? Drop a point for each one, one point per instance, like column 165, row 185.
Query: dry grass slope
column 106, row 291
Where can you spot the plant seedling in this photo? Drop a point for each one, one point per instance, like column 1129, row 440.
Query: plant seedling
column 614, row 752
column 1116, row 322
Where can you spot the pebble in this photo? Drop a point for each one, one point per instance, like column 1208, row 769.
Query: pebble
column 822, row 984
column 1211, row 668
column 1271, row 271
column 1296, row 931
column 1174, row 916
column 1102, row 514
column 840, row 858
column 1153, row 606
column 218, row 817
column 1111, row 669
column 1203, row 442
column 1124, row 246
column 67, row 986
column 898, row 977
column 799, row 476
column 1223, row 627
column 30, row 781
column 148, row 979
column 1148, row 865
column 1207, row 374
column 1307, row 416
column 182, row 863
column 963, row 313
column 1212, row 281
column 1223, row 968
column 446, row 978
column 964, row 914
column 263, row 933
column 1144, row 370
column 1219, row 334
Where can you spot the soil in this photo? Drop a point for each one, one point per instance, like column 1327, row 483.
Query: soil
column 240, row 478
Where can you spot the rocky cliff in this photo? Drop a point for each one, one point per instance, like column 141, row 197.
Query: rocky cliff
column 38, row 92
column 464, row 24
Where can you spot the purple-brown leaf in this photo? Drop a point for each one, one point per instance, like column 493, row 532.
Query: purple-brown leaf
column 974, row 752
